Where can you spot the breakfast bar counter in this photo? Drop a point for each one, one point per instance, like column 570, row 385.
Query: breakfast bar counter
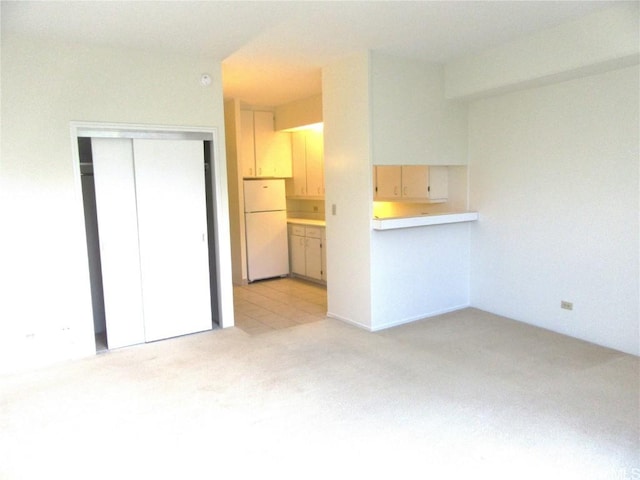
column 425, row 220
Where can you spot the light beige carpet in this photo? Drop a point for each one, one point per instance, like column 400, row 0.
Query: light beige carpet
column 462, row 395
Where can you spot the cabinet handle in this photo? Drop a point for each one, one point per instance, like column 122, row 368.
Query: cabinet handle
column 395, row 190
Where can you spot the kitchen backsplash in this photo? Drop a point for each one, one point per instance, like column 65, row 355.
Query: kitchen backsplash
column 311, row 209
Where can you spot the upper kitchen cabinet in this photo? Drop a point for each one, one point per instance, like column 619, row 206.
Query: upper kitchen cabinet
column 263, row 151
column 247, row 143
column 308, row 164
column 412, row 123
column 438, row 180
column 387, row 182
column 411, row 183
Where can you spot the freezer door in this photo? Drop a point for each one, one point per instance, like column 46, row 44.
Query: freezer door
column 264, row 195
column 267, row 245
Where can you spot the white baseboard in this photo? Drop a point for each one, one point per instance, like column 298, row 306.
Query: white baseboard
column 396, row 323
column 349, row 321
column 434, row 313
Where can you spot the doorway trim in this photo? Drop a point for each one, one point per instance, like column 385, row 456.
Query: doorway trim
column 220, row 201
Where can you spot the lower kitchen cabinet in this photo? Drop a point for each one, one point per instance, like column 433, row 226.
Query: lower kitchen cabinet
column 306, row 252
column 297, row 251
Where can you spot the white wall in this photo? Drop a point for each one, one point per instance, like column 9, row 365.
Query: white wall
column 377, row 108
column 554, row 175
column 299, row 113
column 345, row 98
column 235, row 189
column 412, row 122
column 44, row 277
column 418, row 273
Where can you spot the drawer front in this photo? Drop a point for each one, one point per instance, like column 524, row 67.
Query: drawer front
column 297, row 230
column 314, row 232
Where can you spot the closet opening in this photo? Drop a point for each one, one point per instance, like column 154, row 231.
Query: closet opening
column 213, row 268
column 93, row 243
column 172, row 298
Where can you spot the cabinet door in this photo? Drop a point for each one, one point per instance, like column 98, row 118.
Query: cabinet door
column 313, row 257
column 388, row 181
column 315, row 163
column 438, row 183
column 273, row 149
column 263, row 133
column 415, row 181
column 172, row 231
column 324, row 254
column 282, row 152
column 297, row 254
column 247, row 144
column 298, row 164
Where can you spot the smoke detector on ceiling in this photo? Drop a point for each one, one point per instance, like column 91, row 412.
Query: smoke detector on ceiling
column 205, row 80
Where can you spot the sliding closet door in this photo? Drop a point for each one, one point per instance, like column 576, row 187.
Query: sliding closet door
column 172, row 231
column 118, row 232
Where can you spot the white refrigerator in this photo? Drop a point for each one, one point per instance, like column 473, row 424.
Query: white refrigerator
column 265, row 213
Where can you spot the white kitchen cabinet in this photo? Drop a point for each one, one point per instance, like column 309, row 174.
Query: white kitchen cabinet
column 247, row 144
column 415, row 181
column 313, row 252
column 410, row 183
column 307, row 160
column 438, row 183
column 306, row 252
column 315, row 163
column 297, row 252
column 388, row 181
column 297, row 185
column 263, row 151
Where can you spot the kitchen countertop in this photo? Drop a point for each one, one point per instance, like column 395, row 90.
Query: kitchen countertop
column 307, row 221
column 426, row 220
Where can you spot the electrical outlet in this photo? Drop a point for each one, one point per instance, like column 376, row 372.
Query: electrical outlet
column 566, row 305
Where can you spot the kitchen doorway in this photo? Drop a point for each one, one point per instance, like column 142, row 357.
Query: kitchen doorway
column 268, row 305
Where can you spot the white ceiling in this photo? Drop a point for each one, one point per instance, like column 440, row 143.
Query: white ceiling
column 273, row 51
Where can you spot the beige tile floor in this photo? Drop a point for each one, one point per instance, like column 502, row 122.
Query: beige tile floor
column 269, row 305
